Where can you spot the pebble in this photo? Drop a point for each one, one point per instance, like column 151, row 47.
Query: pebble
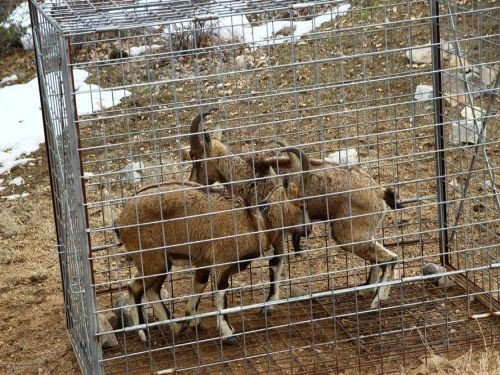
column 344, row 156
column 423, row 92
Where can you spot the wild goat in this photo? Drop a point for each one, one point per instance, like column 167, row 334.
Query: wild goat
column 187, row 223
column 355, row 203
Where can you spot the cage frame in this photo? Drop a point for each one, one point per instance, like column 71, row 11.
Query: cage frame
column 88, row 301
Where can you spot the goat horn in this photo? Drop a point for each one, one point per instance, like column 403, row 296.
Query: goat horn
column 195, row 134
column 296, row 155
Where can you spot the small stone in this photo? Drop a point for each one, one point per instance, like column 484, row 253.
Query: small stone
column 423, row 92
column 244, row 61
column 453, row 330
column 466, row 132
column 421, row 55
column 471, row 113
column 132, row 173
column 487, row 73
column 297, row 292
column 344, row 156
column 433, row 269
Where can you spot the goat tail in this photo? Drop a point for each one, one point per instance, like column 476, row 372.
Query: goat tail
column 390, row 199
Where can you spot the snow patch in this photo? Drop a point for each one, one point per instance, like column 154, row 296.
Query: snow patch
column 238, row 28
column 136, row 51
column 18, row 181
column 15, row 196
column 22, row 127
column 8, row 79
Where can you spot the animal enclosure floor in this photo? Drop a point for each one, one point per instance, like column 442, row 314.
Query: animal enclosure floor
column 318, row 336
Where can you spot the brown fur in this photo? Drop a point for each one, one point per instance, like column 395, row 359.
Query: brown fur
column 355, row 205
column 178, row 223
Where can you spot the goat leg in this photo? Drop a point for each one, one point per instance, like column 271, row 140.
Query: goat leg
column 275, row 269
column 296, row 243
column 225, row 329
column 200, row 280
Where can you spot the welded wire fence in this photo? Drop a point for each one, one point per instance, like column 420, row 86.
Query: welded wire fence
column 345, row 152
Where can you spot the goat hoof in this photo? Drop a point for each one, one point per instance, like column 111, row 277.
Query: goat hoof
column 143, row 335
column 230, row 340
column 266, row 311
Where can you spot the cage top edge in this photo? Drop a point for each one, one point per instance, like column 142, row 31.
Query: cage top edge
column 86, row 16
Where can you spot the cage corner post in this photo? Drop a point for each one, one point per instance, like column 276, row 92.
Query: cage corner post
column 87, row 277
column 439, row 131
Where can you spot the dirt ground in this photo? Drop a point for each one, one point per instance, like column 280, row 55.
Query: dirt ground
column 33, row 336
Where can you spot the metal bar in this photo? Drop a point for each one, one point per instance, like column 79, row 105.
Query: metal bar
column 487, row 300
column 439, row 131
column 78, row 214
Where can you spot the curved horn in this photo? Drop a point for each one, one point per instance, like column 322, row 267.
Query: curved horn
column 195, row 136
column 296, row 155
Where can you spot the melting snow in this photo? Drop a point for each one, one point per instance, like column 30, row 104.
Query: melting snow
column 18, row 181
column 21, row 126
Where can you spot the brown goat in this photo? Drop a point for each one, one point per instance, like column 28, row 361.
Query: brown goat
column 250, row 179
column 187, row 223
column 346, row 196
column 354, row 204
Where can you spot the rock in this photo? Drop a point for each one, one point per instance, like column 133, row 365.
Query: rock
column 433, row 269
column 122, row 312
column 465, row 132
column 297, row 292
column 455, row 87
column 244, row 61
column 423, row 92
column 487, row 73
column 470, row 113
column 107, row 340
column 420, row 55
column 132, row 173
column 344, row 156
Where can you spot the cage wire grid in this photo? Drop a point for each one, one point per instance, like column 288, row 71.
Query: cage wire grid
column 406, row 91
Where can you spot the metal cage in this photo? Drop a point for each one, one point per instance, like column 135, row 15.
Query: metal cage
column 406, row 91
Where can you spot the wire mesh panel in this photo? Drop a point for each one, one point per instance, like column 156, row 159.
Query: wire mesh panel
column 272, row 186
